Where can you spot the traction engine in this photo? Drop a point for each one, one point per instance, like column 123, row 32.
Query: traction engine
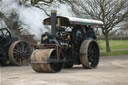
column 12, row 50
column 72, row 41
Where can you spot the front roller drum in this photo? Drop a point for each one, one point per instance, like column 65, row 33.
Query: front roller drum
column 90, row 53
column 40, row 61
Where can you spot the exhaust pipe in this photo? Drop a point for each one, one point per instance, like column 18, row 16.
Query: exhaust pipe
column 53, row 22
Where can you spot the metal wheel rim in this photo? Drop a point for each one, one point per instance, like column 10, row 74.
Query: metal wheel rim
column 93, row 55
column 86, row 52
column 19, row 53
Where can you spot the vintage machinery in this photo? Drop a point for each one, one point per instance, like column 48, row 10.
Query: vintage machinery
column 72, row 42
column 12, row 50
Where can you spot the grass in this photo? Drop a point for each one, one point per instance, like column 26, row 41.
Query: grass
column 118, row 47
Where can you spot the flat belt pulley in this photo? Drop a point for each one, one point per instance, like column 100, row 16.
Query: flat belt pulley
column 45, row 60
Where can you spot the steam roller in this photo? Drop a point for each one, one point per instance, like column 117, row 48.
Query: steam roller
column 72, row 41
column 12, row 50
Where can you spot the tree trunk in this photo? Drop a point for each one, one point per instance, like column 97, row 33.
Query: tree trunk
column 107, row 43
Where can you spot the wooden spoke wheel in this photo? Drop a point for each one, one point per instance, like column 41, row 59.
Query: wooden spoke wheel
column 19, row 53
column 89, row 54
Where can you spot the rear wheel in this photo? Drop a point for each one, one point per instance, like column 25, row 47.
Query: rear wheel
column 89, row 54
column 19, row 53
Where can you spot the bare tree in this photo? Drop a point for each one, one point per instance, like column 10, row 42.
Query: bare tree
column 125, row 24
column 41, row 3
column 11, row 20
column 33, row 2
column 37, row 3
column 111, row 12
column 13, row 24
column 125, row 27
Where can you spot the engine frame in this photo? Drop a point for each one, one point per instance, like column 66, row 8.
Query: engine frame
column 77, row 45
column 68, row 42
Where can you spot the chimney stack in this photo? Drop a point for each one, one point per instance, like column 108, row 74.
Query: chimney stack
column 53, row 22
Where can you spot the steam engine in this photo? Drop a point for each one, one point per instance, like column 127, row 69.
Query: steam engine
column 65, row 46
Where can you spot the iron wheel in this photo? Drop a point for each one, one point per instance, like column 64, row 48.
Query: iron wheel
column 20, row 52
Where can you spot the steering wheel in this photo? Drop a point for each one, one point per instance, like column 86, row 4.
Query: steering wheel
column 4, row 34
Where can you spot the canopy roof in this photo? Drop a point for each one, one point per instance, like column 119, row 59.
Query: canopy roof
column 67, row 21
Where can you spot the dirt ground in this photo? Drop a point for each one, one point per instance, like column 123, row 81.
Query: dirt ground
column 112, row 70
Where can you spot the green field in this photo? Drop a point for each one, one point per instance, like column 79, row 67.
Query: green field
column 118, row 47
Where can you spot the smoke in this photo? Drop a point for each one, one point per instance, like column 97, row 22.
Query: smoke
column 32, row 17
column 7, row 6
